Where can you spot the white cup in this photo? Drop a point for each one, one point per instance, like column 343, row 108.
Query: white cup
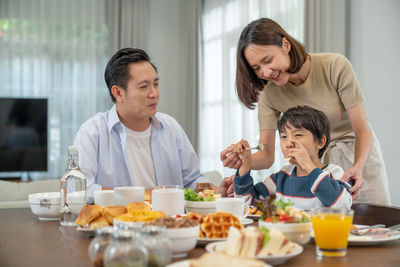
column 128, row 194
column 168, row 199
column 234, row 205
column 104, row 197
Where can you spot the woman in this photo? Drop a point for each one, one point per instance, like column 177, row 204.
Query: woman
column 275, row 70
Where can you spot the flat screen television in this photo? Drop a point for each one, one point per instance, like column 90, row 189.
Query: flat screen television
column 23, row 134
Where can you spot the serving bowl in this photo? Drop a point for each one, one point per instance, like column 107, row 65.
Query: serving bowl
column 45, row 205
column 296, row 232
column 202, row 207
column 183, row 239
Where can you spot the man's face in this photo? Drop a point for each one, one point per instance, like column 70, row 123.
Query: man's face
column 140, row 99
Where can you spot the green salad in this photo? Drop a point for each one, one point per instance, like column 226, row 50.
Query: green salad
column 190, row 195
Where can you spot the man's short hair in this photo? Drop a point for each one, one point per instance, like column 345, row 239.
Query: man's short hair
column 117, row 69
column 308, row 118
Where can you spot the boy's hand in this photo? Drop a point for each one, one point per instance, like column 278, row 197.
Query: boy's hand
column 300, row 157
column 244, row 156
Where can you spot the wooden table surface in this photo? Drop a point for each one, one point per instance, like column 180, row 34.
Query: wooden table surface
column 26, row 241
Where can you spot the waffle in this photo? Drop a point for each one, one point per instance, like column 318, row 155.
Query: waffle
column 198, row 217
column 216, row 225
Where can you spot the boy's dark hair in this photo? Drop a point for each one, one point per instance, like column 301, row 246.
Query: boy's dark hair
column 308, row 118
column 117, row 69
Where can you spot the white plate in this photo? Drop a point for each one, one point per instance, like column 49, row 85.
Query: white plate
column 220, row 246
column 204, row 241
column 186, row 263
column 86, row 231
column 247, row 221
column 253, row 216
column 355, row 240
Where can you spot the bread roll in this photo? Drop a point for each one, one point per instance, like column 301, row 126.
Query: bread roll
column 110, row 212
column 98, row 222
column 88, row 213
column 138, row 206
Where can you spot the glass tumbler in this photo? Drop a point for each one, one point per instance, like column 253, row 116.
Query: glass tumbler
column 331, row 230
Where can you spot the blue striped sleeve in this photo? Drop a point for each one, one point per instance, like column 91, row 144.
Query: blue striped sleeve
column 331, row 192
column 245, row 188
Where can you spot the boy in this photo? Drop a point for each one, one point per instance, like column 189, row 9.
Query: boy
column 306, row 181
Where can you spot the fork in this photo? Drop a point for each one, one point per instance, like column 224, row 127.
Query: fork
column 356, row 231
column 261, row 147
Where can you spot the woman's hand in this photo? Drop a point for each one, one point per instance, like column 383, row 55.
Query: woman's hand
column 244, row 156
column 229, row 158
column 355, row 174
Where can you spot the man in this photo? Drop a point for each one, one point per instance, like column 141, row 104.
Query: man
column 132, row 143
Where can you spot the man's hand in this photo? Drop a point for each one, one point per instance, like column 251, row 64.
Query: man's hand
column 355, row 174
column 226, row 188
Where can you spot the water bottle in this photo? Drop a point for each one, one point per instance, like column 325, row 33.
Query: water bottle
column 72, row 190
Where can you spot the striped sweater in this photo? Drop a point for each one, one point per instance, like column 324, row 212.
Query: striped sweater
column 321, row 188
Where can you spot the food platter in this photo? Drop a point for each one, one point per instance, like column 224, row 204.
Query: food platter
column 278, row 259
column 186, row 263
column 204, row 240
column 86, row 231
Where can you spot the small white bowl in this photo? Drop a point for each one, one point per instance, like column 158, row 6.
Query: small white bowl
column 296, row 232
column 76, row 201
column 202, row 207
column 45, row 205
column 183, row 240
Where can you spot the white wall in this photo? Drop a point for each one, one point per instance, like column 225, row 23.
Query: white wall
column 374, row 50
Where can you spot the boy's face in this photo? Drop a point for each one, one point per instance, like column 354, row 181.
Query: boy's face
column 293, row 137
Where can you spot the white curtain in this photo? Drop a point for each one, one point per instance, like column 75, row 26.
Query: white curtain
column 325, row 26
column 223, row 119
column 58, row 50
column 127, row 21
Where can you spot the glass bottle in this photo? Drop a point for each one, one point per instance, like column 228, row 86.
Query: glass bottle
column 104, row 237
column 125, row 250
column 158, row 245
column 72, row 190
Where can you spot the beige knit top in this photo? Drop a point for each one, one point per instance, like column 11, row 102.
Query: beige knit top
column 331, row 87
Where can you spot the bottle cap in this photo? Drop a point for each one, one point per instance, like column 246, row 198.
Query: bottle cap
column 72, row 149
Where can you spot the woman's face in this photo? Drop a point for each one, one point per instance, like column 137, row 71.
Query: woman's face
column 270, row 62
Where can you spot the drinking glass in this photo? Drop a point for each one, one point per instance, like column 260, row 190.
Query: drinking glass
column 168, row 199
column 331, row 230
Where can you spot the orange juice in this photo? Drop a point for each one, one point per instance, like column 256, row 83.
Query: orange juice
column 331, row 231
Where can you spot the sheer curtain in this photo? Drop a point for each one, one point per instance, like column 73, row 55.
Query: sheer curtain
column 223, row 119
column 56, row 49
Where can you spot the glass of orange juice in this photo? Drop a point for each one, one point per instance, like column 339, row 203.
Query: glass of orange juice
column 331, row 230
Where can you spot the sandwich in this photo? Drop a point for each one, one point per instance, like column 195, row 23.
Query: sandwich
column 219, row 259
column 251, row 242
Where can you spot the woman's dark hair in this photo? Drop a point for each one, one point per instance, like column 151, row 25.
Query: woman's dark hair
column 308, row 118
column 262, row 32
column 117, row 69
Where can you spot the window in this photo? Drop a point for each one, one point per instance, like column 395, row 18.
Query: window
column 58, row 50
column 223, row 119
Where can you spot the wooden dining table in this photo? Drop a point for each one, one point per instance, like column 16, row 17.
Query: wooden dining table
column 27, row 241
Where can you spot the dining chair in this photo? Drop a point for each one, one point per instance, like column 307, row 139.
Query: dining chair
column 368, row 214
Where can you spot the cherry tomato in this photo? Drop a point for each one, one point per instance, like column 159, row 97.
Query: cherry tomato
column 285, row 218
column 268, row 220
